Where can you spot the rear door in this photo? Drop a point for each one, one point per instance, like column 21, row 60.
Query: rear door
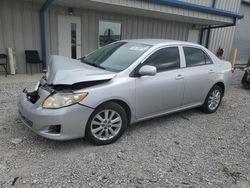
column 164, row 91
column 199, row 75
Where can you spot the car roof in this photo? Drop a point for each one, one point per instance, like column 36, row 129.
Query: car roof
column 155, row 42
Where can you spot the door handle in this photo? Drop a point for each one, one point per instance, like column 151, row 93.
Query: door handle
column 211, row 71
column 179, row 77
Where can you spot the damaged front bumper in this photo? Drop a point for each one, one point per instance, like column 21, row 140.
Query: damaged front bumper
column 57, row 124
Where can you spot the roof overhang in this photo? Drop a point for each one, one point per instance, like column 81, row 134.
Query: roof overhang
column 174, row 10
column 200, row 8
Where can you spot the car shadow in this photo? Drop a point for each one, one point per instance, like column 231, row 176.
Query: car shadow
column 44, row 143
column 186, row 115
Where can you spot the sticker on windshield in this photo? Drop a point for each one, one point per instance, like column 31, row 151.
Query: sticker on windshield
column 139, row 48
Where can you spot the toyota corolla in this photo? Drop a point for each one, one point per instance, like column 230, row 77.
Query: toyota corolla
column 125, row 82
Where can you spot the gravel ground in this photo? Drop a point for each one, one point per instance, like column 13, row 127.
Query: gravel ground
column 187, row 149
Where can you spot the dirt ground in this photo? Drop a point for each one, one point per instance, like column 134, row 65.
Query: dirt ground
column 187, row 149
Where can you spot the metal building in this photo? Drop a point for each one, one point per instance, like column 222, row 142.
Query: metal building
column 76, row 27
column 242, row 35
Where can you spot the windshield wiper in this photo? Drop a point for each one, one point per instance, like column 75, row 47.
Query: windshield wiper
column 92, row 64
column 95, row 65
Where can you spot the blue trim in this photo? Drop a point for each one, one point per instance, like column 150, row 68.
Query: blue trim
column 209, row 28
column 44, row 7
column 214, row 3
column 199, row 8
column 208, row 37
column 43, row 38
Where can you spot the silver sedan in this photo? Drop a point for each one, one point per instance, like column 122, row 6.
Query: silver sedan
column 122, row 83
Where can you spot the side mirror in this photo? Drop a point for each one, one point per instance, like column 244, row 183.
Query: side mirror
column 147, row 70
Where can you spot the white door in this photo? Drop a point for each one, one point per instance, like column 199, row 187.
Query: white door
column 193, row 36
column 69, row 36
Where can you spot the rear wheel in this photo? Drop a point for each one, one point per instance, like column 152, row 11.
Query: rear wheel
column 213, row 100
column 106, row 124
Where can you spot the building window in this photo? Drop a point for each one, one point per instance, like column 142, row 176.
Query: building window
column 73, row 41
column 109, row 32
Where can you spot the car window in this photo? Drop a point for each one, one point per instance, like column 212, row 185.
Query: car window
column 195, row 57
column 165, row 59
column 208, row 60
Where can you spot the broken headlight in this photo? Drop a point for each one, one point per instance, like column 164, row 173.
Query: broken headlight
column 59, row 100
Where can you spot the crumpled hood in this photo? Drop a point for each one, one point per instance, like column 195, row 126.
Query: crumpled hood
column 66, row 71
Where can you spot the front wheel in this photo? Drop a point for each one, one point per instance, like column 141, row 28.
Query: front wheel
column 213, row 100
column 106, row 124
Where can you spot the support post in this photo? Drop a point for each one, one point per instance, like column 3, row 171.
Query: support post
column 209, row 28
column 42, row 10
column 234, row 56
column 201, row 36
column 43, row 39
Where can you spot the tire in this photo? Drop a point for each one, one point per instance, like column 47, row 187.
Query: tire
column 207, row 106
column 101, row 130
column 244, row 81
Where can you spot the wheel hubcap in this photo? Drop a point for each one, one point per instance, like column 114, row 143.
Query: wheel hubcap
column 106, row 124
column 214, row 100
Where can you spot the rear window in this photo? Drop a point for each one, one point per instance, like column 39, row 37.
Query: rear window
column 195, row 57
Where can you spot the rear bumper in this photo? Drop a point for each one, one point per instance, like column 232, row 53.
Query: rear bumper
column 72, row 119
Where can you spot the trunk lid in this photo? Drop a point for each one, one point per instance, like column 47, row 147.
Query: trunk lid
column 67, row 71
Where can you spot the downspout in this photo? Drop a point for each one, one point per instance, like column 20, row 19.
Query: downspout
column 209, row 28
column 201, row 36
column 215, row 27
column 222, row 26
column 42, row 10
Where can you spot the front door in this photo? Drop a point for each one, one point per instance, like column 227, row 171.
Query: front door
column 164, row 91
column 69, row 36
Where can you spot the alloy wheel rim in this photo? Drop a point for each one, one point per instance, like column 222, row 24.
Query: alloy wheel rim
column 214, row 100
column 106, row 124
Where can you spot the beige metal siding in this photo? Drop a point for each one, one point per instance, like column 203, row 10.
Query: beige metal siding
column 149, row 5
column 230, row 5
column 19, row 28
column 242, row 36
column 224, row 37
column 132, row 27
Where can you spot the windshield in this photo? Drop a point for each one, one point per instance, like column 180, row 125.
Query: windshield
column 117, row 56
